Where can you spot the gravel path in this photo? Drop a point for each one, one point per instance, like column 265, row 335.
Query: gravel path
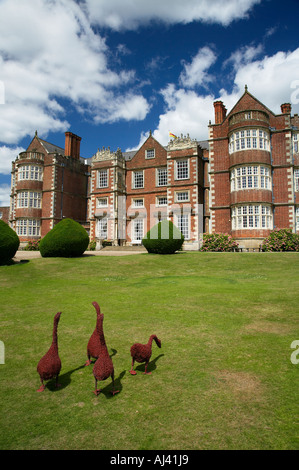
column 24, row 255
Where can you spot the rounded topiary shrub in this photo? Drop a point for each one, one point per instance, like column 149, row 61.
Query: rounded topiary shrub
column 9, row 243
column 67, row 239
column 163, row 238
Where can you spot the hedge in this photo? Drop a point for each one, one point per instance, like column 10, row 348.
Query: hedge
column 163, row 238
column 9, row 243
column 67, row 239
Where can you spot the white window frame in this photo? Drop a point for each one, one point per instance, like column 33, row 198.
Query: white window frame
column 150, row 153
column 297, row 218
column 138, row 179
column 31, row 199
column 22, row 199
column 182, row 196
column 101, row 202
column 252, row 217
column 183, row 224
column 158, row 201
column 161, row 176
column 137, row 230
column 296, row 142
column 138, row 202
column 249, row 139
column 245, row 177
column 35, row 199
column 182, row 169
column 28, row 227
column 296, row 179
column 30, row 172
column 102, row 228
column 102, row 177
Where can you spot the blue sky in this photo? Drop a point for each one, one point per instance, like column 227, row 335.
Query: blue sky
column 112, row 71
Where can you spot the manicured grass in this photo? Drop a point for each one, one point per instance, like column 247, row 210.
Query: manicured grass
column 223, row 378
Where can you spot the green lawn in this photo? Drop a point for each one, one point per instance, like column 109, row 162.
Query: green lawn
column 223, row 378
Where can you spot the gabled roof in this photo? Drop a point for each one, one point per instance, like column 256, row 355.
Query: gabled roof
column 204, row 144
column 51, row 148
column 246, row 92
column 129, row 155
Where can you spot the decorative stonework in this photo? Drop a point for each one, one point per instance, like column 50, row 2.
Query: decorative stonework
column 106, row 154
column 182, row 142
column 32, row 155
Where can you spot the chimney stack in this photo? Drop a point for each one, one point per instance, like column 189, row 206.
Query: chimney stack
column 72, row 145
column 286, row 108
column 220, row 112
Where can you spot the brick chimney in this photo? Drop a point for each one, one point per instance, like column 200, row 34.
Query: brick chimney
column 220, row 112
column 72, row 145
column 286, row 108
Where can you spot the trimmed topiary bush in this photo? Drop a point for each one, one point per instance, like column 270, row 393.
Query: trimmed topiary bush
column 67, row 239
column 218, row 242
column 281, row 240
column 9, row 243
column 163, row 238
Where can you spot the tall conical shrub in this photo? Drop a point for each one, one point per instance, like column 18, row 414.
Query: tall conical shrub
column 67, row 239
column 163, row 238
column 9, row 243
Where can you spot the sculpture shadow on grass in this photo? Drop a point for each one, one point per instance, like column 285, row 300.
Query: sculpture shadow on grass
column 64, row 380
column 109, row 387
column 151, row 366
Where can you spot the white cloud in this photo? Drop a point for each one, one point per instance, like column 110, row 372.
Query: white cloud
column 269, row 80
column 49, row 53
column 243, row 56
column 4, row 195
column 128, row 107
column 195, row 72
column 186, row 113
column 273, row 80
column 143, row 137
column 7, row 155
column 130, row 14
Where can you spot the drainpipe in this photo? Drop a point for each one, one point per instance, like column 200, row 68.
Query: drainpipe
column 271, row 129
column 62, row 181
column 294, row 128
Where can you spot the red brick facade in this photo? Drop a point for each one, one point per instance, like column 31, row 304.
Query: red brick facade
column 252, row 166
column 131, row 192
column 47, row 185
column 244, row 180
column 4, row 214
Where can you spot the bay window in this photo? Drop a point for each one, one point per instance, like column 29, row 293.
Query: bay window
column 252, row 216
column 249, row 139
column 251, row 177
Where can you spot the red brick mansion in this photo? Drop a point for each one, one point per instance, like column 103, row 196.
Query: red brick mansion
column 243, row 180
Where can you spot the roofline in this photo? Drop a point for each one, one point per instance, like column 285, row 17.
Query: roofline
column 46, row 142
column 252, row 96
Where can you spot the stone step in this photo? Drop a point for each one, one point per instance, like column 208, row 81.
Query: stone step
column 124, row 248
